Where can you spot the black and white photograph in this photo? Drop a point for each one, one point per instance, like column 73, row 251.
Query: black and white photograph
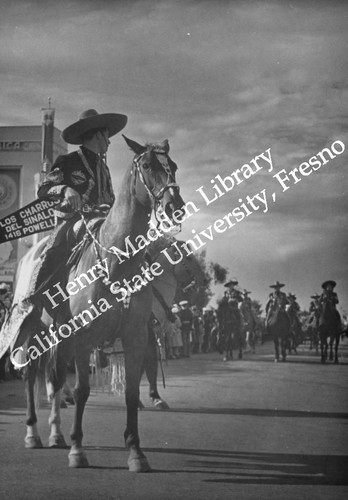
column 173, row 249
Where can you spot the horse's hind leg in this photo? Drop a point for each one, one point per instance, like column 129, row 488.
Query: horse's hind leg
column 32, row 438
column 77, row 455
column 151, row 365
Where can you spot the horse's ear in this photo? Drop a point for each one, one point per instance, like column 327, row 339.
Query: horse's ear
column 165, row 145
column 137, row 148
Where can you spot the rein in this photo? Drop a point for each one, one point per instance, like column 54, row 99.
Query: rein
column 155, row 197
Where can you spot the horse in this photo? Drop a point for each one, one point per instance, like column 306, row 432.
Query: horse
column 249, row 326
column 148, row 186
column 312, row 332
column 278, row 326
column 231, row 334
column 329, row 328
column 296, row 334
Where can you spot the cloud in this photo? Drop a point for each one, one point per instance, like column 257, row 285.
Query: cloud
column 223, row 81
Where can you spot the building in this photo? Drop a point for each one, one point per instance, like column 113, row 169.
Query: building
column 20, row 165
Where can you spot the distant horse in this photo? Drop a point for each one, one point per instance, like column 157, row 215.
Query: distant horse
column 231, row 334
column 149, row 184
column 329, row 328
column 312, row 332
column 278, row 326
column 249, row 326
column 296, row 334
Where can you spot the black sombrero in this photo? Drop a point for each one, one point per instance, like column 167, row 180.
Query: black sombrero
column 329, row 282
column 277, row 285
column 92, row 120
column 232, row 281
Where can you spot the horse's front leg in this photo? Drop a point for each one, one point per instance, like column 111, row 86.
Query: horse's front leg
column 32, row 438
column 56, row 438
column 323, row 347
column 283, row 345
column 337, row 341
column 241, row 344
column 276, row 348
column 134, row 357
column 77, row 455
column 331, row 356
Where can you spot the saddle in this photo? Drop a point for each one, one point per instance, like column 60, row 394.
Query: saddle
column 63, row 251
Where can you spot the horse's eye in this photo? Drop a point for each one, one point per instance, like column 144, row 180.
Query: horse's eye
column 146, row 166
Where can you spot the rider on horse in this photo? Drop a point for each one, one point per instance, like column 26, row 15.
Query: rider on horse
column 81, row 182
column 328, row 300
column 233, row 296
column 314, row 310
column 328, row 295
column 276, row 299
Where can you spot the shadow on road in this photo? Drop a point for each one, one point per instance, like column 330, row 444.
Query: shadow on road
column 256, row 412
column 256, row 468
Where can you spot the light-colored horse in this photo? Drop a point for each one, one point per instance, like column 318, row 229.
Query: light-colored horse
column 148, row 184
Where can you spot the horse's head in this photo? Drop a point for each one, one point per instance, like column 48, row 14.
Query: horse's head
column 154, row 183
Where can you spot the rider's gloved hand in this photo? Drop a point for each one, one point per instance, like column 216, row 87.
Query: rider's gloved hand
column 73, row 198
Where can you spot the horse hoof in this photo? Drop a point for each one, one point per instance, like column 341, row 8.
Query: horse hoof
column 141, row 405
column 63, row 404
column 70, row 400
column 138, row 465
column 276, row 360
column 160, row 404
column 57, row 441
column 33, row 442
column 78, row 460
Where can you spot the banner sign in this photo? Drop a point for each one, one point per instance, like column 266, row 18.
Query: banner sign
column 36, row 217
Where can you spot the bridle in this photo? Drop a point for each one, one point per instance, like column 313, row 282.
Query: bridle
column 136, row 172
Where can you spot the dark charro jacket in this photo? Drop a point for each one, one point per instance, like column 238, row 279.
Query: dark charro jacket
column 233, row 297
column 276, row 299
column 83, row 171
column 330, row 297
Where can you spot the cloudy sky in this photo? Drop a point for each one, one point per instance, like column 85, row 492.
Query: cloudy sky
column 223, row 81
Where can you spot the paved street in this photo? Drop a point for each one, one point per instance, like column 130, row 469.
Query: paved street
column 250, row 429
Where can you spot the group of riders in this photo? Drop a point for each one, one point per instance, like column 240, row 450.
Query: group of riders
column 238, row 318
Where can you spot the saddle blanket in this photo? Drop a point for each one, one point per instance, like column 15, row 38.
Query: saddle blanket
column 21, row 308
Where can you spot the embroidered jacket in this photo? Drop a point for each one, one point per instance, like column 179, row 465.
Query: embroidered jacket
column 277, row 299
column 330, row 297
column 233, row 297
column 83, row 171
